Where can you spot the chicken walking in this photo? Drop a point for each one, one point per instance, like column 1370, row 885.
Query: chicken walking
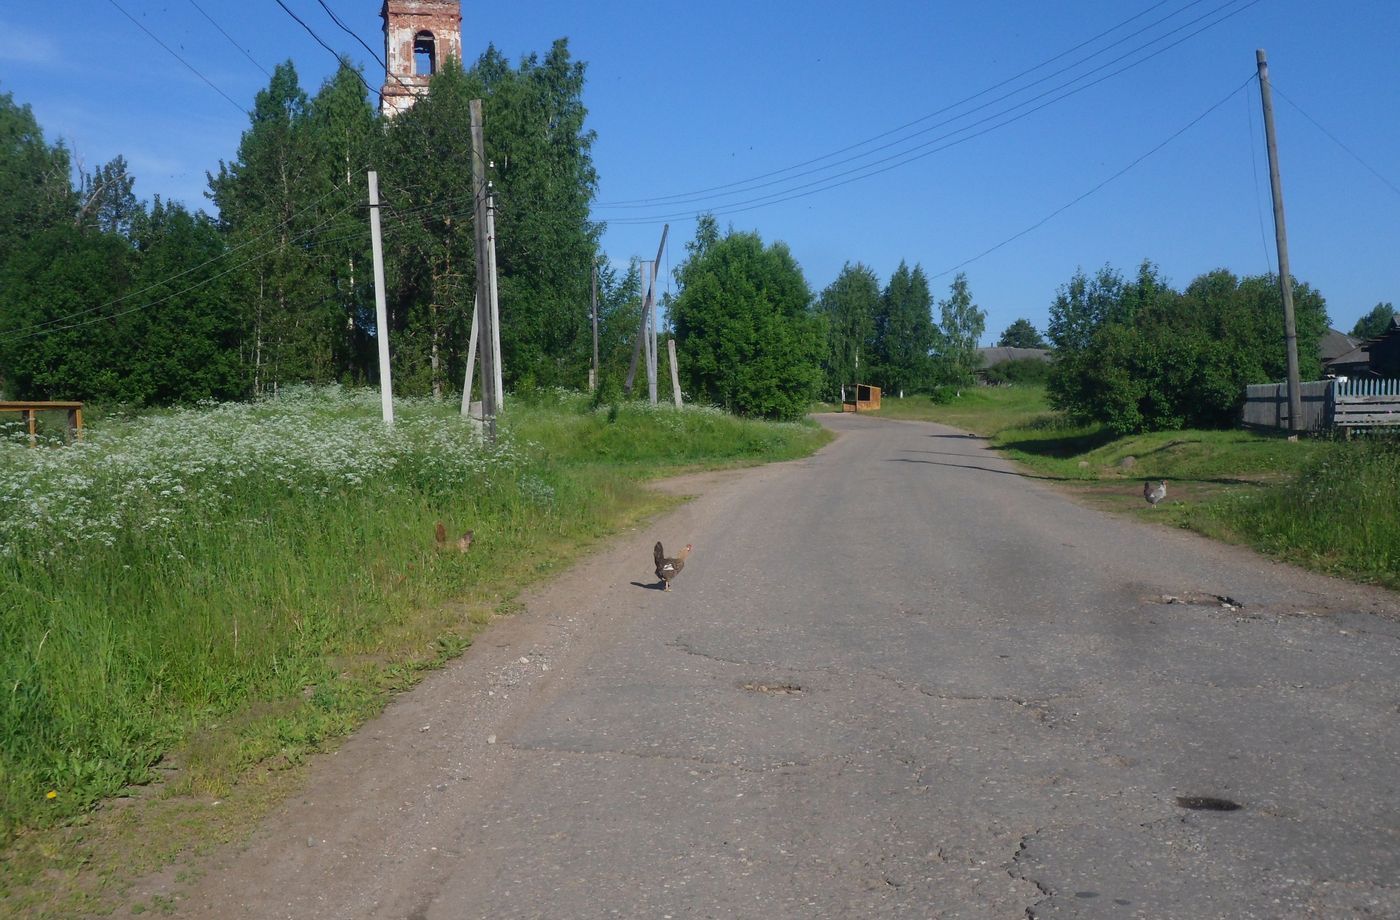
column 666, row 569
column 1152, row 494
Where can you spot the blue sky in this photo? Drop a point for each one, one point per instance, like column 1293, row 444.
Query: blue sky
column 689, row 96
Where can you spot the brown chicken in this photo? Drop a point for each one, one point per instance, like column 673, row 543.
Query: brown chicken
column 464, row 542
column 666, row 569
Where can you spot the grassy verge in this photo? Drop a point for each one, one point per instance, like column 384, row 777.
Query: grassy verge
column 205, row 597
column 1320, row 503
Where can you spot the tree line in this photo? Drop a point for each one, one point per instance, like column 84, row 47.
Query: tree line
column 106, row 297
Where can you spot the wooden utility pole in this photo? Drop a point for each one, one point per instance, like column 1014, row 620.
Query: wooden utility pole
column 471, row 361
column 651, row 332
column 1285, row 276
column 593, row 371
column 642, row 328
column 675, row 372
column 487, row 335
column 381, row 309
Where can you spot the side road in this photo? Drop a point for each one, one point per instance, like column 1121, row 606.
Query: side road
column 895, row 679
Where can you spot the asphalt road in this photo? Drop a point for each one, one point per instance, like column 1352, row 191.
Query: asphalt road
column 894, row 680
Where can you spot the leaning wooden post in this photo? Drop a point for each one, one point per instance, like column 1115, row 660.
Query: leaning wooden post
column 675, row 374
column 1285, row 276
column 642, row 328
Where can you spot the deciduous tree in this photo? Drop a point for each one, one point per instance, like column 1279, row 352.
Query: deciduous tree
column 748, row 338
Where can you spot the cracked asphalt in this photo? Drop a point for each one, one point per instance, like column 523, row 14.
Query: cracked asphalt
column 894, row 680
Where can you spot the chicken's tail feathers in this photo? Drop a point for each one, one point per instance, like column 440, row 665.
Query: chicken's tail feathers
column 659, row 553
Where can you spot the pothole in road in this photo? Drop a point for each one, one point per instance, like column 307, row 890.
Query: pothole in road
column 774, row 688
column 1206, row 803
column 1198, row 599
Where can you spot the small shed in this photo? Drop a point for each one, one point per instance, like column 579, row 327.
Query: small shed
column 867, row 399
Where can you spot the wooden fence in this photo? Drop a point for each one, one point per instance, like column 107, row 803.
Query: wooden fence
column 1366, row 404
column 1326, row 404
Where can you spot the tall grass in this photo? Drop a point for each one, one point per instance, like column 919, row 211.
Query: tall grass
column 263, row 571
column 1341, row 515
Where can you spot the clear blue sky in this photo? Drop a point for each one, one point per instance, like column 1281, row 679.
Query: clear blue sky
column 692, row 96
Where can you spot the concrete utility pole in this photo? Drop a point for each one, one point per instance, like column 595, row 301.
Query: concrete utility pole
column 1285, row 276
column 381, row 309
column 487, row 336
column 495, row 295
column 593, row 372
column 642, row 328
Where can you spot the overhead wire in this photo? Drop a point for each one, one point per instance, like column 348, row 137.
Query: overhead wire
column 928, row 148
column 902, row 159
column 221, row 256
column 230, row 38
column 173, row 53
column 1255, row 190
column 1099, row 187
column 1317, row 124
column 954, row 105
column 312, row 32
column 32, row 332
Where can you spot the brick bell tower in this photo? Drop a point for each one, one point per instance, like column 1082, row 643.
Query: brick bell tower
column 419, row 37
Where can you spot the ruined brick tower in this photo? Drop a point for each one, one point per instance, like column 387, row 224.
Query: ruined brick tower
column 419, row 37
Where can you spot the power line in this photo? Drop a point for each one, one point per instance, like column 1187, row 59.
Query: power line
column 223, row 255
column 1120, row 173
column 676, row 198
column 1254, row 189
column 909, row 155
column 312, row 32
column 177, row 57
column 1354, row 155
column 356, row 36
column 230, row 38
column 39, row 330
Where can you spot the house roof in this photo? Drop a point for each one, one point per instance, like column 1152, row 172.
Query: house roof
column 991, row 357
column 1335, row 344
column 1356, row 357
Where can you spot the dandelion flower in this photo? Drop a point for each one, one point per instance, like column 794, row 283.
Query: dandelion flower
column 53, row 794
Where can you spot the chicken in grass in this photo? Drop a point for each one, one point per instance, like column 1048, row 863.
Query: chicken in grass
column 1153, row 493
column 666, row 569
column 464, row 542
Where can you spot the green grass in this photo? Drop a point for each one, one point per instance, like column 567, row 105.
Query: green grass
column 1316, row 502
column 204, row 597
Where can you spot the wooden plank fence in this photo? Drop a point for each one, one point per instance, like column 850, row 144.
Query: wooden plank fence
column 1327, row 404
column 1366, row 404
column 1266, row 405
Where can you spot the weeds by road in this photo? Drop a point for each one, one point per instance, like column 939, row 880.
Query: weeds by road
column 191, row 602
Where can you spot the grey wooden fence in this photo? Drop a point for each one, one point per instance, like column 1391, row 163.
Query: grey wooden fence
column 1266, row 405
column 1326, row 404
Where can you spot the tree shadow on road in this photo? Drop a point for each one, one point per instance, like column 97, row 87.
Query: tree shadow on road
column 982, row 469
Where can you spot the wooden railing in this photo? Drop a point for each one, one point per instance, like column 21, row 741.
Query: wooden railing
column 31, row 412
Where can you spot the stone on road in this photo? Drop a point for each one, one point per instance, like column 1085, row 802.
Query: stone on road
column 896, row 679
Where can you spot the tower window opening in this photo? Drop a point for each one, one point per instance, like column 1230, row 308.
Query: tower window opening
column 424, row 54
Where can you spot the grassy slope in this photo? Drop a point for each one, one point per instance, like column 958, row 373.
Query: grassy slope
column 218, row 650
column 1318, row 503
